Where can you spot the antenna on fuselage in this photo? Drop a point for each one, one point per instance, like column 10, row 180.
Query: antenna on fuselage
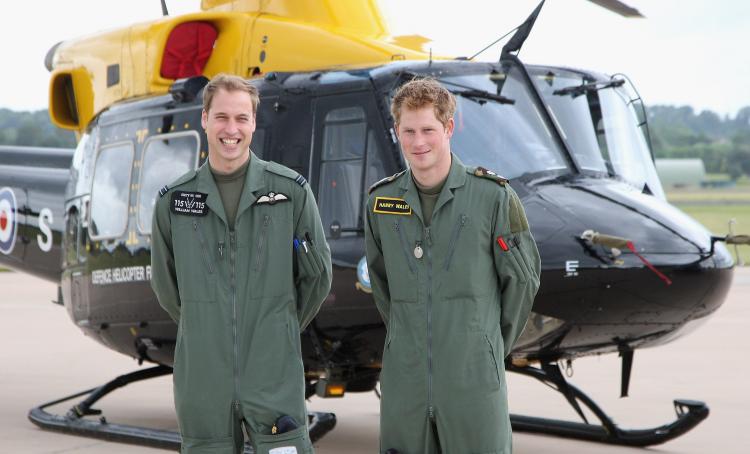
column 164, row 11
column 515, row 43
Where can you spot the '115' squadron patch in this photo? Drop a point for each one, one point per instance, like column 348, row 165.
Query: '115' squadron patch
column 189, row 203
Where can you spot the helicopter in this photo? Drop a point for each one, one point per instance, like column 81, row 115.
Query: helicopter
column 622, row 269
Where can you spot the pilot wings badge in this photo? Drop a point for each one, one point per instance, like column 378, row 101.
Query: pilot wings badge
column 271, row 198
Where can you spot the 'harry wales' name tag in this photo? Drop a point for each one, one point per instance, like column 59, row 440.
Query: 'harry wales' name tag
column 391, row 205
column 189, row 203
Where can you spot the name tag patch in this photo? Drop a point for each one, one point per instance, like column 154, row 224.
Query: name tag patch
column 391, row 205
column 189, row 203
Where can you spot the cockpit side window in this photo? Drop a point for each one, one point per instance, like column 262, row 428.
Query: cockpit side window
column 165, row 158
column 341, row 167
column 110, row 191
column 348, row 156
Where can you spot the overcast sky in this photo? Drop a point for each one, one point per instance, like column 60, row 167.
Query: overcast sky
column 686, row 52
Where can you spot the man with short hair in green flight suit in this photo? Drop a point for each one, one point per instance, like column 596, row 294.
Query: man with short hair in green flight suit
column 454, row 271
column 239, row 260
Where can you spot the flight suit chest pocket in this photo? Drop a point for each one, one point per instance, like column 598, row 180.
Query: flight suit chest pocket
column 401, row 267
column 458, row 228
column 271, row 233
column 194, row 262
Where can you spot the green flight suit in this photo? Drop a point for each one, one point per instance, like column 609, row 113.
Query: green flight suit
column 240, row 298
column 455, row 296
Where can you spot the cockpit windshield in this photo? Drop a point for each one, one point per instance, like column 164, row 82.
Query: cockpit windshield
column 499, row 127
column 600, row 123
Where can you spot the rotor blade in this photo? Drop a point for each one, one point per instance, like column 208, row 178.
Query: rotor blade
column 618, row 7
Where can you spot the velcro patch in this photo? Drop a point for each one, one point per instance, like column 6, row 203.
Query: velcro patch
column 189, row 203
column 391, row 205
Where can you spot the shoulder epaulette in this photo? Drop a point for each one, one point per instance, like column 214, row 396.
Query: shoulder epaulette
column 489, row 174
column 385, row 180
column 284, row 171
column 183, row 179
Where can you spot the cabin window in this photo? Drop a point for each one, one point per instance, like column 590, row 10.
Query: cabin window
column 165, row 158
column 342, row 163
column 110, row 191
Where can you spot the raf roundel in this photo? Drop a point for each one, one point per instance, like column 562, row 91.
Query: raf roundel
column 8, row 221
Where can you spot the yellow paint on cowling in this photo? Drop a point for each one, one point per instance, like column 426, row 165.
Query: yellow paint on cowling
column 254, row 37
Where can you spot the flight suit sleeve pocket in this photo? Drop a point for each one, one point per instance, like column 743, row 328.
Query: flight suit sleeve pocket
column 510, row 259
column 309, row 262
column 522, row 266
column 296, row 441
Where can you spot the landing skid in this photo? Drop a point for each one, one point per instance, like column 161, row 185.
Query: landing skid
column 689, row 414
column 74, row 422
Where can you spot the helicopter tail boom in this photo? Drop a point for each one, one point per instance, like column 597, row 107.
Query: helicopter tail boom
column 32, row 188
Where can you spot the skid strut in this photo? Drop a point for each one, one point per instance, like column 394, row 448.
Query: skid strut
column 689, row 414
column 74, row 422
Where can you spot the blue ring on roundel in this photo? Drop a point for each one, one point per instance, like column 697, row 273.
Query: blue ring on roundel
column 8, row 220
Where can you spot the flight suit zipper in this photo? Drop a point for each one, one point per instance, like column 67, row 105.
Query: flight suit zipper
column 233, row 288
column 261, row 238
column 204, row 249
column 454, row 238
column 404, row 245
column 428, row 251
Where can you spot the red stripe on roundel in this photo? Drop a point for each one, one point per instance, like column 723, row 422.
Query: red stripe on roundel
column 3, row 220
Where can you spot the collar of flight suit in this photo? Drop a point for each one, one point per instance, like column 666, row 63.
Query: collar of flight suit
column 456, row 178
column 254, row 182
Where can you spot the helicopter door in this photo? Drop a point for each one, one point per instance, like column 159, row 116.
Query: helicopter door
column 347, row 159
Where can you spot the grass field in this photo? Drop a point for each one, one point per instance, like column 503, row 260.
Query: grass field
column 715, row 207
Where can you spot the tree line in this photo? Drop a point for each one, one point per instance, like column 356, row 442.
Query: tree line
column 723, row 143
column 32, row 129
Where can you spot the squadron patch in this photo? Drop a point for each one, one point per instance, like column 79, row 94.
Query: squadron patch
column 391, row 205
column 272, row 198
column 189, row 203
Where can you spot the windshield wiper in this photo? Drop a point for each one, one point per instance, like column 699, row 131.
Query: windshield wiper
column 578, row 90
column 482, row 96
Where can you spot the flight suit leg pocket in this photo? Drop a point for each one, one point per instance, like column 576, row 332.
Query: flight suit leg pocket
column 296, row 441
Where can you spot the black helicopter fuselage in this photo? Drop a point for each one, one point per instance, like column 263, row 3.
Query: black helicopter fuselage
column 334, row 128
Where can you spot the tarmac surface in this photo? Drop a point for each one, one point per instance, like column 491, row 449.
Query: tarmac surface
column 44, row 356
